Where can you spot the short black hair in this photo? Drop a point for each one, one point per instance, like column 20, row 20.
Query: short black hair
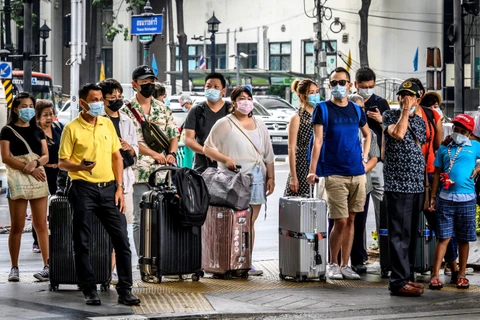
column 237, row 92
column 86, row 88
column 216, row 75
column 108, row 86
column 340, row 70
column 429, row 100
column 159, row 90
column 16, row 102
column 365, row 74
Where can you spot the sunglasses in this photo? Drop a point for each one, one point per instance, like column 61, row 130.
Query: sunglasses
column 334, row 83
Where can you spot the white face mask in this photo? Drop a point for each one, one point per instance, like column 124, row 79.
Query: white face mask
column 459, row 139
column 365, row 93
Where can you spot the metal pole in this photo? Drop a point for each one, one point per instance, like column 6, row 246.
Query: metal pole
column 237, row 62
column 458, row 58
column 8, row 30
column 27, row 45
column 212, row 58
column 146, row 54
column 74, row 57
column 44, row 59
column 320, row 56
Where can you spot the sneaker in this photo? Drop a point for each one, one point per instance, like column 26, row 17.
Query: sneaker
column 114, row 278
column 448, row 271
column 469, row 271
column 348, row 273
column 334, row 272
column 255, row 272
column 14, row 275
column 42, row 275
column 29, row 217
column 36, row 248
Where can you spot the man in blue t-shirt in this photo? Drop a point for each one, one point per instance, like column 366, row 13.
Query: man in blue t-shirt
column 456, row 203
column 344, row 167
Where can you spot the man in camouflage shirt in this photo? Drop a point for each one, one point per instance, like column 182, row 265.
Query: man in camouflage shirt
column 148, row 160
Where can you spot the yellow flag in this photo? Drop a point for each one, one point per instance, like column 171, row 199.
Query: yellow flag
column 349, row 60
column 102, row 72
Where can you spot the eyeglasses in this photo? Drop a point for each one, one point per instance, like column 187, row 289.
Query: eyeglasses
column 334, row 83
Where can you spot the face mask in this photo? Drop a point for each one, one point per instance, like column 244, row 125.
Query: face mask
column 439, row 111
column 339, row 92
column 26, row 114
column 412, row 110
column 365, row 93
column 147, row 90
column 184, row 109
column 245, row 106
column 313, row 99
column 459, row 139
column 166, row 102
column 212, row 95
column 96, row 108
column 115, row 105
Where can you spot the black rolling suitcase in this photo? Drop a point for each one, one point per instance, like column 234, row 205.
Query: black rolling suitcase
column 62, row 269
column 166, row 247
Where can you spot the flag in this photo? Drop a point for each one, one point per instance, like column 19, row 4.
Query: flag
column 202, row 63
column 349, row 60
column 415, row 61
column 102, row 72
column 154, row 65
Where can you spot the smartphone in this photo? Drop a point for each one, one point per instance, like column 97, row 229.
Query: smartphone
column 88, row 163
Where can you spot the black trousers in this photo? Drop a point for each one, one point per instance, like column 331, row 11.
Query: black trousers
column 359, row 255
column 87, row 199
column 403, row 214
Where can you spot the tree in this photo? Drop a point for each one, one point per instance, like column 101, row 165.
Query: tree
column 182, row 42
column 171, row 44
column 363, row 44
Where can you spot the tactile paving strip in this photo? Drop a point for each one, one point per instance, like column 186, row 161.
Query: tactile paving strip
column 155, row 302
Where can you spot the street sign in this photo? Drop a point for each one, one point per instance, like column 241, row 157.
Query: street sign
column 5, row 70
column 147, row 25
column 146, row 38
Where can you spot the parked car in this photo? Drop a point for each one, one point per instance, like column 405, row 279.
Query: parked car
column 64, row 115
column 277, row 128
column 277, row 106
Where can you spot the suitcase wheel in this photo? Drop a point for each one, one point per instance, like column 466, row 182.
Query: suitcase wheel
column 105, row 286
column 195, row 277
column 244, row 275
column 384, row 273
column 53, row 287
column 150, row 279
column 323, row 278
column 282, row 276
column 228, row 276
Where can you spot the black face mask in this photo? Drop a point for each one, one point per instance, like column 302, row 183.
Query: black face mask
column 147, row 89
column 115, row 105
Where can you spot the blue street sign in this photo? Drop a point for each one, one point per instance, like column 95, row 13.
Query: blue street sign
column 145, row 25
column 5, row 70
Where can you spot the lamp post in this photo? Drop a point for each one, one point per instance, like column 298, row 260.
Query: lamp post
column 147, row 40
column 238, row 63
column 44, row 35
column 213, row 23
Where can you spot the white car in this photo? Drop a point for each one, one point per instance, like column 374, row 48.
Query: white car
column 277, row 106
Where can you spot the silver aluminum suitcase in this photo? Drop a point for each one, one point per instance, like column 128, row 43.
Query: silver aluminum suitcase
column 302, row 238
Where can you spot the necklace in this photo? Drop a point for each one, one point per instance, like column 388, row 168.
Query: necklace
column 452, row 161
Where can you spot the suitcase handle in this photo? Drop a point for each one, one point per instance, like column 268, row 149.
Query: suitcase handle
column 151, row 178
column 314, row 189
column 247, row 242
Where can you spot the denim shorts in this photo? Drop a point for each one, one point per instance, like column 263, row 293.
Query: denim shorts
column 456, row 219
column 258, row 188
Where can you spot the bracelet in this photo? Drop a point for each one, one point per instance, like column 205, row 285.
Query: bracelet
column 38, row 163
column 174, row 154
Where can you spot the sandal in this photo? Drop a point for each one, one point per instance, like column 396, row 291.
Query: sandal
column 435, row 284
column 454, row 277
column 463, row 283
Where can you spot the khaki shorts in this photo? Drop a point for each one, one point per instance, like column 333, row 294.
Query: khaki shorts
column 345, row 195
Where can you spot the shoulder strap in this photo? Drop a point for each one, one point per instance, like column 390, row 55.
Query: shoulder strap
column 246, row 136
column 134, row 112
column 430, row 116
column 21, row 138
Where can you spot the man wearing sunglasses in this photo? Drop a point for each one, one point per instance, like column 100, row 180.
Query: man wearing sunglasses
column 404, row 174
column 342, row 163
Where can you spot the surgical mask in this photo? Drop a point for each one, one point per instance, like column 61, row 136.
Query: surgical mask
column 166, row 102
column 365, row 93
column 245, row 106
column 212, row 95
column 184, row 109
column 26, row 114
column 459, row 139
column 115, row 105
column 147, row 90
column 96, row 108
column 412, row 110
column 439, row 111
column 313, row 99
column 339, row 92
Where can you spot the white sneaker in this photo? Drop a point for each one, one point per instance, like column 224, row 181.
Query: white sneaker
column 114, row 278
column 334, row 272
column 348, row 273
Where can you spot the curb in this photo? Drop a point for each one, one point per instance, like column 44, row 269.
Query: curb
column 198, row 315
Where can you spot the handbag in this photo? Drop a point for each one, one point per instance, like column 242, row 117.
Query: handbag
column 426, row 184
column 21, row 185
column 154, row 138
column 231, row 189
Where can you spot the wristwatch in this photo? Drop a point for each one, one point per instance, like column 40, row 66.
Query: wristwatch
column 173, row 154
column 365, row 160
column 38, row 163
column 120, row 185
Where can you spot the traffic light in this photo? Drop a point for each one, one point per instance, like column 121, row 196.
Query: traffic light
column 472, row 6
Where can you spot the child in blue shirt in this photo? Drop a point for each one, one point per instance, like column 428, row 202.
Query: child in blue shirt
column 456, row 203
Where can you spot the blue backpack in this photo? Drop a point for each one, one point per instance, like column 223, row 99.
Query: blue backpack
column 321, row 161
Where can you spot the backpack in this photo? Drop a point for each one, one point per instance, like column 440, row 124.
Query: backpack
column 320, row 171
column 190, row 202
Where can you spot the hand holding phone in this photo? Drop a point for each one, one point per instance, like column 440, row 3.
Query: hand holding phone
column 88, row 165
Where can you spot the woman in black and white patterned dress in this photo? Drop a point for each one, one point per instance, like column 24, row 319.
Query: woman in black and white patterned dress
column 300, row 131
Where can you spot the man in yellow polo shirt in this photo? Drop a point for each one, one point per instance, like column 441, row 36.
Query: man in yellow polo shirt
column 89, row 151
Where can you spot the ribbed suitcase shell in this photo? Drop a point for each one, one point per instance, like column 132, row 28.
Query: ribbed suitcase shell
column 297, row 256
column 166, row 247
column 62, row 269
column 226, row 243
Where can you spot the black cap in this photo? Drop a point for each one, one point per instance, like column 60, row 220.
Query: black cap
column 143, row 72
column 409, row 86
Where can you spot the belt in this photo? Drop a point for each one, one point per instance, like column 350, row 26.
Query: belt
column 96, row 184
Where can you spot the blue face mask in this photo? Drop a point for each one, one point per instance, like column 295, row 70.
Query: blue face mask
column 412, row 110
column 184, row 109
column 166, row 102
column 313, row 99
column 96, row 109
column 212, row 95
column 26, row 114
column 339, row 92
